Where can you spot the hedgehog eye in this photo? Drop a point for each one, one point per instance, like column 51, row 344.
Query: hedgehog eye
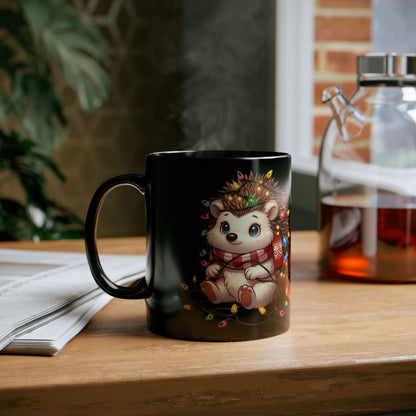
column 225, row 227
column 254, row 230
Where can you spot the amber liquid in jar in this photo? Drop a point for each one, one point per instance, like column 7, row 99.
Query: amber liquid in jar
column 370, row 238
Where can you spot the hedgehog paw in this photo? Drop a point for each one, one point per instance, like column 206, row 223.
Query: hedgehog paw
column 208, row 290
column 246, row 295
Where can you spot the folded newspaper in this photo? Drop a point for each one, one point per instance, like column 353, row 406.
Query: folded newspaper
column 46, row 298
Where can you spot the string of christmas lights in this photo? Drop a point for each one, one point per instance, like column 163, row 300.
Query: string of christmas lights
column 225, row 314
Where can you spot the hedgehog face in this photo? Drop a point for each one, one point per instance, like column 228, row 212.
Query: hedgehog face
column 241, row 234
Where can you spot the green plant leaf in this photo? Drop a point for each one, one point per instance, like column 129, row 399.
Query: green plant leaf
column 12, row 21
column 40, row 217
column 21, row 157
column 6, row 55
column 33, row 35
column 18, row 40
column 75, row 43
column 14, row 223
column 4, row 107
column 88, row 79
column 38, row 109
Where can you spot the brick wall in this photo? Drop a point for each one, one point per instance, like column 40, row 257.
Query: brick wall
column 342, row 32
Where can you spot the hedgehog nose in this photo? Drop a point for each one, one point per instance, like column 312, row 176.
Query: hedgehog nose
column 232, row 237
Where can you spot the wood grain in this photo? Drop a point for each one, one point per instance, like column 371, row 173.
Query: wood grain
column 351, row 349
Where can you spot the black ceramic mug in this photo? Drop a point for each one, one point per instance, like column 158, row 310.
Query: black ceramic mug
column 218, row 244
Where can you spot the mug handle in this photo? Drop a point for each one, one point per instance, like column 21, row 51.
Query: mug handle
column 140, row 289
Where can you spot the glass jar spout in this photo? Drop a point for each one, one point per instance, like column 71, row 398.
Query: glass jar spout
column 349, row 119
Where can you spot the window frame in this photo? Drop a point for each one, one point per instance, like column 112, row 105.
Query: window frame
column 294, row 83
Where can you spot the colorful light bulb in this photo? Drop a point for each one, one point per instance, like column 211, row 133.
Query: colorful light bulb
column 262, row 310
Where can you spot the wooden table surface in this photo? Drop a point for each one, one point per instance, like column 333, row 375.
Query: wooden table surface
column 351, row 349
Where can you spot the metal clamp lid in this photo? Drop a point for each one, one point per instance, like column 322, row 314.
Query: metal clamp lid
column 390, row 66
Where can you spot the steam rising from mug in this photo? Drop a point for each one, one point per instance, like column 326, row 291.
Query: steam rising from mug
column 228, row 88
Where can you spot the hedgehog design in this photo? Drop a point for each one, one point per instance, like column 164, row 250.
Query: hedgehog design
column 247, row 219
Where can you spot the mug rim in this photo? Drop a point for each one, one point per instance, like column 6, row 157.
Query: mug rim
column 218, row 154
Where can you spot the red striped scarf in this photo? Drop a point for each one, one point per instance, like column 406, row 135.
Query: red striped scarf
column 246, row 260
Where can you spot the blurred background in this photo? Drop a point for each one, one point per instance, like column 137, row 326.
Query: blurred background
column 203, row 75
column 184, row 74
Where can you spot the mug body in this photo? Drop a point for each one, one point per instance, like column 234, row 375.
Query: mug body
column 218, row 244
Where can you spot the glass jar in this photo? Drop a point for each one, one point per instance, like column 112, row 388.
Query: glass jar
column 367, row 174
